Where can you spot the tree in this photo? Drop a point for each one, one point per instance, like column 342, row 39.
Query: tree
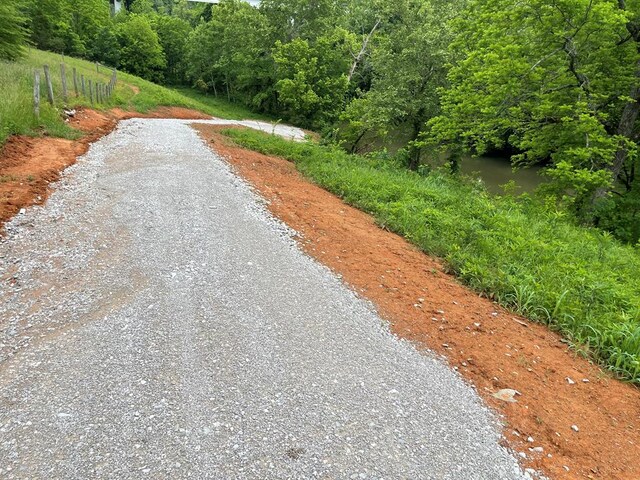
column 557, row 82
column 312, row 78
column 408, row 67
column 106, row 48
column 142, row 7
column 172, row 35
column 215, row 57
column 12, row 33
column 66, row 26
column 303, row 19
column 140, row 50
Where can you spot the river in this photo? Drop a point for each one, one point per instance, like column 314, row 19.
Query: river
column 495, row 171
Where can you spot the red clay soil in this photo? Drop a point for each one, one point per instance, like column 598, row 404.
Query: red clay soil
column 489, row 346
column 28, row 165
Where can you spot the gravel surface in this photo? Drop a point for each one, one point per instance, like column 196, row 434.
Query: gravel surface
column 156, row 322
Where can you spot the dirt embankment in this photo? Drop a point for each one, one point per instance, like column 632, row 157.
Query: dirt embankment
column 587, row 423
column 28, row 165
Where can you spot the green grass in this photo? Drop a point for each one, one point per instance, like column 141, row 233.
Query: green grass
column 528, row 257
column 222, row 107
column 16, row 96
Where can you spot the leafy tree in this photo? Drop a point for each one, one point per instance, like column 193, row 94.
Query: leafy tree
column 172, row 35
column 12, row 33
column 88, row 17
column 66, row 26
column 106, row 48
column 140, row 50
column 312, row 79
column 558, row 82
column 294, row 19
column 408, row 66
column 142, row 7
column 216, row 59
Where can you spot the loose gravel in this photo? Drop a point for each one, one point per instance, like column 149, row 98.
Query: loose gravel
column 157, row 322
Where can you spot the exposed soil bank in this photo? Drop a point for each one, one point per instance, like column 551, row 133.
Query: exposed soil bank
column 28, row 165
column 489, row 346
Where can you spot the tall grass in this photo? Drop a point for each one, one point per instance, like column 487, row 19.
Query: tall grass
column 526, row 256
column 131, row 93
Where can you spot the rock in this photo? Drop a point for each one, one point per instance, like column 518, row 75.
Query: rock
column 507, row 395
column 575, row 428
column 536, row 449
column 570, row 381
column 23, row 211
column 530, row 439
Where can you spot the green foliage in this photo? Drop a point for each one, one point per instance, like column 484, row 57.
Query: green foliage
column 142, row 7
column 172, row 35
column 312, row 79
column 528, row 257
column 407, row 68
column 140, row 50
column 106, row 48
column 215, row 58
column 12, row 33
column 293, row 19
column 66, row 26
column 551, row 81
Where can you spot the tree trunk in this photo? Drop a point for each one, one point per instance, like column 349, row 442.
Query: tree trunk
column 627, row 124
column 629, row 115
column 354, row 147
column 414, row 152
column 363, row 50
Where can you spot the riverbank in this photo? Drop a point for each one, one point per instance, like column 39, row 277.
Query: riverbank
column 523, row 255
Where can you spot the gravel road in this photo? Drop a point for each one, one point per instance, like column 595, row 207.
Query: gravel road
column 157, row 323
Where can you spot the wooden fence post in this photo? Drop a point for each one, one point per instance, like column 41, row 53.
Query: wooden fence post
column 36, row 93
column 47, row 77
column 97, row 67
column 90, row 92
column 75, row 81
column 63, row 74
column 84, row 90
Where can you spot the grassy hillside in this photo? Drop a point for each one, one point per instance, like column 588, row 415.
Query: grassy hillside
column 133, row 93
column 529, row 258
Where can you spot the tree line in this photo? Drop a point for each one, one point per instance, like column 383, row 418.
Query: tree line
column 550, row 82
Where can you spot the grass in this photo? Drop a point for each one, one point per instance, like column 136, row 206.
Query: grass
column 526, row 256
column 16, row 96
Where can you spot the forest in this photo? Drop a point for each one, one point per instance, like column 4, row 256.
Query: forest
column 402, row 92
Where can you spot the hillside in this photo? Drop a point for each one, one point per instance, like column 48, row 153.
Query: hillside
column 17, row 116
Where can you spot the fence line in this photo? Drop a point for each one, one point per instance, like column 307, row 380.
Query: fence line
column 98, row 92
column 36, row 93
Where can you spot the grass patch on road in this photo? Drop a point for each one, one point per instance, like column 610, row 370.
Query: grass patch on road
column 528, row 257
column 132, row 93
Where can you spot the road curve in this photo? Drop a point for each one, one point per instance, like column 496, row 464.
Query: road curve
column 157, row 323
